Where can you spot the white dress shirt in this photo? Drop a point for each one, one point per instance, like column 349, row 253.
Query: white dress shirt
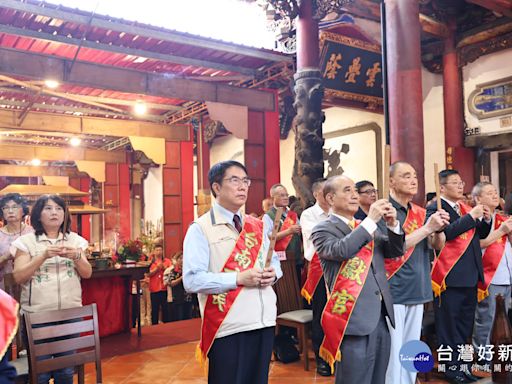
column 370, row 225
column 309, row 218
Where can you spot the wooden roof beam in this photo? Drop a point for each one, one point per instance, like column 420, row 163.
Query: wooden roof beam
column 501, row 6
column 370, row 10
column 98, row 99
column 365, row 9
column 145, row 31
column 13, row 170
column 85, row 125
column 27, row 64
column 434, row 27
column 125, row 51
column 29, row 152
column 486, row 32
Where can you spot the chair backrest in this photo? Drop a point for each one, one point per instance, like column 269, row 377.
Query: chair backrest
column 287, row 289
column 72, row 333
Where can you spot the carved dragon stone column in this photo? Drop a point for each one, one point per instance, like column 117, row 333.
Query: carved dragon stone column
column 309, row 163
column 309, row 91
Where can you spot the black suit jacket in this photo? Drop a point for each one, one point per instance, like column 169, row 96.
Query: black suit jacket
column 335, row 242
column 468, row 270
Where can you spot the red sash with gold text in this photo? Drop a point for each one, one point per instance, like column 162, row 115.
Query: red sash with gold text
column 9, row 323
column 414, row 220
column 291, row 219
column 450, row 254
column 243, row 257
column 491, row 259
column 342, row 301
column 313, row 278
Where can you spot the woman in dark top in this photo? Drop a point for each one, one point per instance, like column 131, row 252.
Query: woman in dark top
column 181, row 303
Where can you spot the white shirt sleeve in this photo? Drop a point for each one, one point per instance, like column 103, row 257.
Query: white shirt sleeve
column 18, row 244
column 268, row 225
column 369, row 225
column 196, row 259
column 307, row 225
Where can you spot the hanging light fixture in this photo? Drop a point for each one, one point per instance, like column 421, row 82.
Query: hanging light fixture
column 52, row 84
column 140, row 108
column 75, row 141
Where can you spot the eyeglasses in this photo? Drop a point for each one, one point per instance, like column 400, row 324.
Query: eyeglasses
column 7, row 208
column 370, row 192
column 457, row 183
column 237, row 182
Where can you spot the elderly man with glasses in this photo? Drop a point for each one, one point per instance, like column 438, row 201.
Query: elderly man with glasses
column 288, row 238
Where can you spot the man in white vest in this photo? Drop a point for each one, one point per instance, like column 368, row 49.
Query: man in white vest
column 224, row 255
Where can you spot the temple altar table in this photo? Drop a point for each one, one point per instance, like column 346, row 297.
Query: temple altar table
column 110, row 289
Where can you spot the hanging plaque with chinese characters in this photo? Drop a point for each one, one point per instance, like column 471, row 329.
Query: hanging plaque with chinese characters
column 351, row 69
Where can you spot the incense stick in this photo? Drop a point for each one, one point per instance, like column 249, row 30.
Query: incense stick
column 65, row 223
column 438, row 188
column 273, row 236
column 385, row 180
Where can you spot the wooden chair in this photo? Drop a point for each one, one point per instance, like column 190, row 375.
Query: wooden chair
column 78, row 336
column 17, row 361
column 290, row 312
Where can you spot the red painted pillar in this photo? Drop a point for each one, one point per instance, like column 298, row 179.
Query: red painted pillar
column 125, row 226
column 404, row 86
column 457, row 156
column 307, row 37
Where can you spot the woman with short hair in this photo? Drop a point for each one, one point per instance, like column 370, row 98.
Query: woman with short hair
column 13, row 210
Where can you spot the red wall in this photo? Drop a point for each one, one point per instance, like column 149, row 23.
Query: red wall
column 262, row 156
column 178, row 193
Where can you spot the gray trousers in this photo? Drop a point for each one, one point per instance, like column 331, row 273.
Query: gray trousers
column 484, row 314
column 364, row 359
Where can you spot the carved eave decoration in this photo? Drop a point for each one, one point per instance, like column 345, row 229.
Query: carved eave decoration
column 281, row 15
column 214, row 129
column 480, row 31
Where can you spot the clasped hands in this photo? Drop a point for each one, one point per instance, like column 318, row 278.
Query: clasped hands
column 62, row 251
column 256, row 277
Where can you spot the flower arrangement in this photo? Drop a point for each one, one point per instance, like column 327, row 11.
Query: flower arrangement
column 130, row 250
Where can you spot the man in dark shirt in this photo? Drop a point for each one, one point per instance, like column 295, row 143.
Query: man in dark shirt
column 367, row 196
column 457, row 270
column 409, row 276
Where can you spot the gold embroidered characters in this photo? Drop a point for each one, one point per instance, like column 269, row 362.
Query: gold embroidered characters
column 353, row 71
column 243, row 259
column 250, row 240
column 372, row 73
column 353, row 270
column 413, row 225
column 220, row 301
column 341, row 300
column 331, row 69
